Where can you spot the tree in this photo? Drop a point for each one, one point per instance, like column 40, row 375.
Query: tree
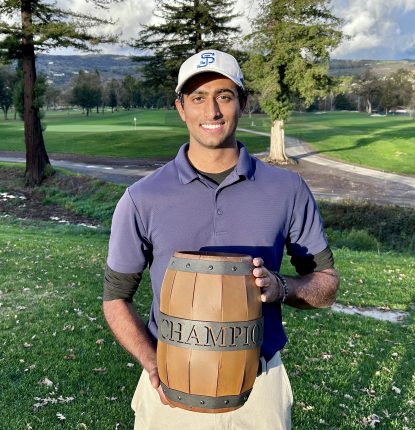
column 27, row 26
column 111, row 93
column 368, row 86
column 39, row 92
column 400, row 85
column 52, row 95
column 187, row 27
column 87, row 91
column 289, row 58
column 7, row 81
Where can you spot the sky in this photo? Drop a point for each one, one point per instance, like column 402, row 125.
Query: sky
column 376, row 29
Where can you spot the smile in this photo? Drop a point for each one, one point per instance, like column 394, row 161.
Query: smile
column 211, row 126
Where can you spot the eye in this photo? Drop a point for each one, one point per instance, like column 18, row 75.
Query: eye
column 198, row 99
column 224, row 98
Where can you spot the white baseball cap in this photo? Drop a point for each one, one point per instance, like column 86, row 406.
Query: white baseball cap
column 210, row 60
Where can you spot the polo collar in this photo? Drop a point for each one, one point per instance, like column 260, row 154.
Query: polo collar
column 244, row 167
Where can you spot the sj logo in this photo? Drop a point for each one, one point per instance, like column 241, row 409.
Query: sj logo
column 205, row 59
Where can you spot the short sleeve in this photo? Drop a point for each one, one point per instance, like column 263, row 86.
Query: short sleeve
column 306, row 235
column 129, row 249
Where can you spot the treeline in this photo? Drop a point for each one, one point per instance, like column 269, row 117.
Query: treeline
column 369, row 92
column 372, row 93
column 87, row 91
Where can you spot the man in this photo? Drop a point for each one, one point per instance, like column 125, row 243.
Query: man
column 215, row 197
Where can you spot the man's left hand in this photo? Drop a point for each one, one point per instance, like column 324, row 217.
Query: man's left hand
column 270, row 289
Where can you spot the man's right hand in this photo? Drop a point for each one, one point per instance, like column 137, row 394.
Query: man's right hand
column 155, row 382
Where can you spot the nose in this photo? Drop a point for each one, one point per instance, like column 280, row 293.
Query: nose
column 212, row 109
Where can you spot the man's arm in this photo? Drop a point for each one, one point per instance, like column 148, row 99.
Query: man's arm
column 314, row 290
column 131, row 333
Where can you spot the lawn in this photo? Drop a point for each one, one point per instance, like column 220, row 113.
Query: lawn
column 155, row 134
column 380, row 142
column 384, row 143
column 60, row 367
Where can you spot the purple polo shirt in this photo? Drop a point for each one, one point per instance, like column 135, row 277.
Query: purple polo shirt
column 257, row 210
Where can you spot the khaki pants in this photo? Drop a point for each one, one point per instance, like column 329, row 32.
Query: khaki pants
column 268, row 406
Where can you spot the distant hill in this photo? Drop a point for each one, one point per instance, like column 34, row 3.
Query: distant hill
column 357, row 67
column 60, row 69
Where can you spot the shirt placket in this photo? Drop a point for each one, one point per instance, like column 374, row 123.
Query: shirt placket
column 220, row 208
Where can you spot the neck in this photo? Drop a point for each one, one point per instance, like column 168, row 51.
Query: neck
column 213, row 161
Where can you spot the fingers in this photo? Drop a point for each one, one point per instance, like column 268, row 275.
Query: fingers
column 265, row 280
column 258, row 261
column 154, row 378
column 155, row 383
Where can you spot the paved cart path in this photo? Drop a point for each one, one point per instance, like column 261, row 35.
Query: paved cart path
column 328, row 179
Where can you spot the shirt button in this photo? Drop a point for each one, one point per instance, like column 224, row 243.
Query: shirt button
column 219, row 211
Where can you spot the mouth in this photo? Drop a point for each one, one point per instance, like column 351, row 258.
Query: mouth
column 212, row 127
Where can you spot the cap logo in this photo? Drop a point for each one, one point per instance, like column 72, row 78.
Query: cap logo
column 205, row 59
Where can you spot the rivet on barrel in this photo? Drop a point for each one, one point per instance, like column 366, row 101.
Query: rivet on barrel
column 234, row 268
column 226, row 402
column 210, row 267
column 188, row 265
column 179, row 397
column 202, row 402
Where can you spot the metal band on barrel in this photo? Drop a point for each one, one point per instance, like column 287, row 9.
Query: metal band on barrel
column 211, row 267
column 210, row 335
column 205, row 402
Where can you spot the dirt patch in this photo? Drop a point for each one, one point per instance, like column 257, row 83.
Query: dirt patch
column 21, row 202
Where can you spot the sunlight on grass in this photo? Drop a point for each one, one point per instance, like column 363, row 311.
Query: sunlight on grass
column 384, row 143
column 59, row 359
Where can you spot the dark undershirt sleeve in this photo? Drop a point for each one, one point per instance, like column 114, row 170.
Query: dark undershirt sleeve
column 313, row 263
column 120, row 285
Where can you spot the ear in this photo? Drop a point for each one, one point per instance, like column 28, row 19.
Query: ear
column 180, row 109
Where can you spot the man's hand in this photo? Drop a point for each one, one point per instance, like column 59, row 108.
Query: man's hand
column 155, row 382
column 270, row 288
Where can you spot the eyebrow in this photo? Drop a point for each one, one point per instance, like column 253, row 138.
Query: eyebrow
column 218, row 91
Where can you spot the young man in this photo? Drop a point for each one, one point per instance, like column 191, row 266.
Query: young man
column 215, row 197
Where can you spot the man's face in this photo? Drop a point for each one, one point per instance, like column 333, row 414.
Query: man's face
column 211, row 109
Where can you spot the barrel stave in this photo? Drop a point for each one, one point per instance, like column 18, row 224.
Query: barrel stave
column 207, row 297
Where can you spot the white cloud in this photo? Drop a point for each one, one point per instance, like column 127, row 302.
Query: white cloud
column 376, row 29
column 130, row 15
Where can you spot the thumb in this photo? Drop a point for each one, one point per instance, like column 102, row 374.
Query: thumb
column 154, row 378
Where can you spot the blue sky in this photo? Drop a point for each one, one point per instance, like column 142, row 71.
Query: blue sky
column 377, row 29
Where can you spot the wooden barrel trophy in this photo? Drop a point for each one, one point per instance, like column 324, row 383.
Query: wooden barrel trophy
column 210, row 331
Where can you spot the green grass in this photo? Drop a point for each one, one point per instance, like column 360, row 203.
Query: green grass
column 343, row 369
column 159, row 133
column 383, row 143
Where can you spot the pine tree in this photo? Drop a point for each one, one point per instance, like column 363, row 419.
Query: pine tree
column 187, row 27
column 290, row 48
column 28, row 26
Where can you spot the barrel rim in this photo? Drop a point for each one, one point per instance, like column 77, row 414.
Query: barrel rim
column 193, row 400
column 213, row 256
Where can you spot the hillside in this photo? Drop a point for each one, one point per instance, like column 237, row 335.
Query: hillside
column 357, row 67
column 60, row 69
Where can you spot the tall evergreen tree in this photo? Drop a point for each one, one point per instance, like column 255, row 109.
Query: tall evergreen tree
column 187, row 27
column 27, row 26
column 290, row 46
